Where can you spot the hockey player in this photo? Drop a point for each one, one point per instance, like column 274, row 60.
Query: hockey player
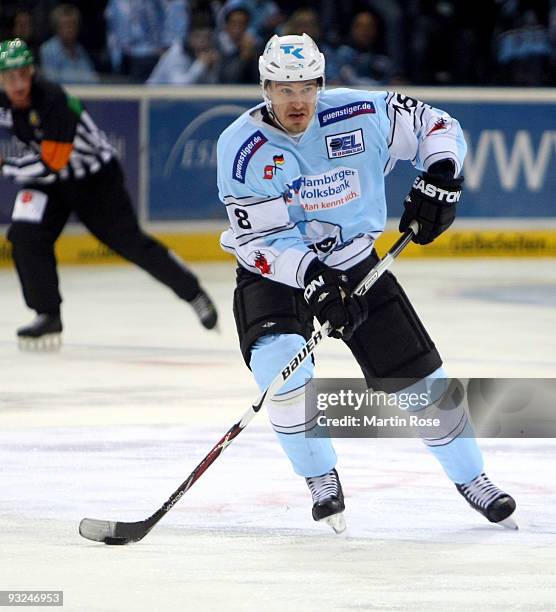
column 302, row 179
column 70, row 167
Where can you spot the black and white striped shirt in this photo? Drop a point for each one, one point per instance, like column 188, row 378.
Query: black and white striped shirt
column 62, row 141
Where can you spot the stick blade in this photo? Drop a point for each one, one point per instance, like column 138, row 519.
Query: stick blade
column 113, row 532
column 99, row 531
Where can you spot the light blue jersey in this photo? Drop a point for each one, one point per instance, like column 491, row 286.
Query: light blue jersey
column 290, row 199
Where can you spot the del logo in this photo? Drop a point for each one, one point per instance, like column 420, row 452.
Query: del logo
column 261, row 263
column 270, row 169
column 245, row 153
column 342, row 145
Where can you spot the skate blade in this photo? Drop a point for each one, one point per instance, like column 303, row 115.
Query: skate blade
column 336, row 521
column 508, row 523
column 49, row 343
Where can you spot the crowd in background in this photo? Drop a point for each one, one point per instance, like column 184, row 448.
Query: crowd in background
column 366, row 42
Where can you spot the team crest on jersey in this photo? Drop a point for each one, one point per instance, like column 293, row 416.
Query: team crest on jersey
column 324, row 236
column 271, row 169
column 261, row 263
column 347, row 143
column 245, row 153
column 440, row 126
column 340, row 113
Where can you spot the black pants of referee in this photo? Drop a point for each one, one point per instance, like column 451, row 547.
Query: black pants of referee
column 102, row 204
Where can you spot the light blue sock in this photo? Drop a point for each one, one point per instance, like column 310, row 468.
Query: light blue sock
column 309, row 456
column 461, row 458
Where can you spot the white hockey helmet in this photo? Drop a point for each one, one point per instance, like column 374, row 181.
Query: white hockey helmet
column 291, row 58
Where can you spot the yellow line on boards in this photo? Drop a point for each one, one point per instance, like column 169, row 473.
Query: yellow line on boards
column 204, row 246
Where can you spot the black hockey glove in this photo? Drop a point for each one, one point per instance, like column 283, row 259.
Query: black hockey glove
column 327, row 293
column 432, row 202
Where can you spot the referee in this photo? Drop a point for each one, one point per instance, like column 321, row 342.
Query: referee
column 70, row 167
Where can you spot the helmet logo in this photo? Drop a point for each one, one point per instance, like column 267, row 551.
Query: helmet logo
column 292, row 50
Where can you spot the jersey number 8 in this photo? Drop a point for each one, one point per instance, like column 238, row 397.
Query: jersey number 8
column 243, row 218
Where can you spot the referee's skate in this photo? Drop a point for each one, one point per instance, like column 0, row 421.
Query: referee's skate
column 44, row 333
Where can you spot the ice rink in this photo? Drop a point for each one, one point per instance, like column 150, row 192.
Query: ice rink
column 109, row 427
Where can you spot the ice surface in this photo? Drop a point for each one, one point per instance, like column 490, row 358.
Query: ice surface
column 110, row 426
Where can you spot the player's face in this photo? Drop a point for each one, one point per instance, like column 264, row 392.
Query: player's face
column 17, row 85
column 293, row 103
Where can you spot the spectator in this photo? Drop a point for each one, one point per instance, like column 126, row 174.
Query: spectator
column 265, row 17
column 41, row 10
column 306, row 20
column 93, row 36
column 62, row 58
column 238, row 47
column 361, row 62
column 448, row 44
column 336, row 18
column 139, row 31
column 23, row 27
column 522, row 44
column 194, row 61
column 391, row 14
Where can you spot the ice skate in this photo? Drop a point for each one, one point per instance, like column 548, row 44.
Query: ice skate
column 490, row 501
column 328, row 500
column 205, row 309
column 44, row 333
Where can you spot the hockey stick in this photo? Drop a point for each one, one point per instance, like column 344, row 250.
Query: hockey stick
column 118, row 532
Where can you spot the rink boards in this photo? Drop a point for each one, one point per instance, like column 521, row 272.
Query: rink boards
column 78, row 248
column 166, row 138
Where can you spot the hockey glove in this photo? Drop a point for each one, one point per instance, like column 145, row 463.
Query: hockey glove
column 432, row 202
column 327, row 293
